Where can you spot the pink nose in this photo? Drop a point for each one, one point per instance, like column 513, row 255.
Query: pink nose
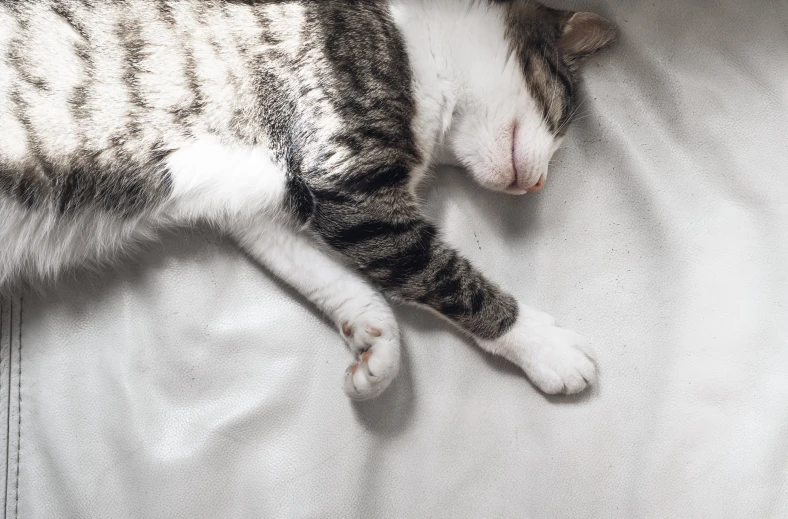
column 536, row 187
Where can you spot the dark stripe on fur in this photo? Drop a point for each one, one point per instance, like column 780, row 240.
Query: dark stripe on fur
column 78, row 100
column 299, row 199
column 369, row 230
column 133, row 45
column 62, row 9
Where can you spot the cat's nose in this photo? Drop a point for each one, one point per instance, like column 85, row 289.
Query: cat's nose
column 536, row 187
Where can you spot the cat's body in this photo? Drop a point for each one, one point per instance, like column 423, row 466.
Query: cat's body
column 301, row 129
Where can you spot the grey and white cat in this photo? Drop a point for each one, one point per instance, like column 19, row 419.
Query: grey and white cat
column 301, row 129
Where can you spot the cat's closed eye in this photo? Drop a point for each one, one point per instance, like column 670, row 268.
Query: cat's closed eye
column 520, row 100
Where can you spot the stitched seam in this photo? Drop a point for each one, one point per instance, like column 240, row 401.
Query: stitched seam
column 19, row 410
column 8, row 420
column 8, row 406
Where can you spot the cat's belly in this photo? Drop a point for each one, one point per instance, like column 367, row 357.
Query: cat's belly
column 204, row 180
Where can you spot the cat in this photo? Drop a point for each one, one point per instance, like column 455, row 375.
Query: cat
column 301, row 129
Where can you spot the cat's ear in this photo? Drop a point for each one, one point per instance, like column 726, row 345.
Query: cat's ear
column 584, row 34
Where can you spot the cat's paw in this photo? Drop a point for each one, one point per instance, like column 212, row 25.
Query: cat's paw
column 373, row 337
column 555, row 359
column 558, row 361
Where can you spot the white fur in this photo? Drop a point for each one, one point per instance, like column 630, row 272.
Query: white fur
column 216, row 182
column 40, row 245
column 556, row 360
column 472, row 93
column 470, row 98
column 341, row 294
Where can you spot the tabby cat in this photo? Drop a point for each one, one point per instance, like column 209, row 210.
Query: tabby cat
column 301, row 129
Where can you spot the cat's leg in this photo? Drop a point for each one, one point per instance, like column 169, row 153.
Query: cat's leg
column 360, row 313
column 385, row 236
column 242, row 191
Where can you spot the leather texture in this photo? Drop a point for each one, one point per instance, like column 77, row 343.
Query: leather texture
column 190, row 384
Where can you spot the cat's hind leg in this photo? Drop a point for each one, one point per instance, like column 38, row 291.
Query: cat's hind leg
column 243, row 191
column 361, row 314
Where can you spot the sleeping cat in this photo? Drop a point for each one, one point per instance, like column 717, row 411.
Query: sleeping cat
column 301, row 129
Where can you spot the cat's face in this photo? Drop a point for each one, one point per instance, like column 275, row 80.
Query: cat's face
column 518, row 90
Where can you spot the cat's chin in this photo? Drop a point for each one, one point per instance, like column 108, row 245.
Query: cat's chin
column 444, row 156
column 515, row 190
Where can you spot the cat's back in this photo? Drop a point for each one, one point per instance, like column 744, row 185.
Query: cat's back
column 93, row 95
column 105, row 74
column 89, row 87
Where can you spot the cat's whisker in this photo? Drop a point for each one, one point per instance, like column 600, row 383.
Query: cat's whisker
column 573, row 116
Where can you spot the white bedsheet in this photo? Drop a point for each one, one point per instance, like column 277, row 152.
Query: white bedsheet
column 192, row 385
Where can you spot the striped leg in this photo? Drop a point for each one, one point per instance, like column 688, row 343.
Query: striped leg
column 385, row 236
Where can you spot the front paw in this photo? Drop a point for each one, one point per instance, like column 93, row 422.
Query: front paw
column 555, row 359
column 556, row 362
column 373, row 337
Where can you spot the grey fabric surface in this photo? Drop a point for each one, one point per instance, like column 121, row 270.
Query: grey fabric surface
column 190, row 384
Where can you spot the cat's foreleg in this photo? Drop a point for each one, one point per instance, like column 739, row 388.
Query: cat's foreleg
column 385, row 236
column 242, row 190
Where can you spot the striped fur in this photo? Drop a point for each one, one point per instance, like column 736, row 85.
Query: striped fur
column 120, row 117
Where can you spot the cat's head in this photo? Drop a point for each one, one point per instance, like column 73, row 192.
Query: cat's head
column 518, row 70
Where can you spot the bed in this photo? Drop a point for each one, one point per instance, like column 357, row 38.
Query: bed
column 191, row 384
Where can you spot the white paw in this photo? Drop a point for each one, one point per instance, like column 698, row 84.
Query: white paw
column 556, row 360
column 373, row 337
